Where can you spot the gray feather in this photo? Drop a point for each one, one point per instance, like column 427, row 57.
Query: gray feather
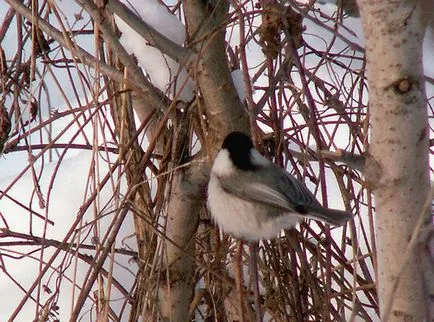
column 276, row 188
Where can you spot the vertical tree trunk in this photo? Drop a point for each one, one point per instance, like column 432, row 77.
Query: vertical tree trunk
column 224, row 110
column 398, row 168
column 186, row 199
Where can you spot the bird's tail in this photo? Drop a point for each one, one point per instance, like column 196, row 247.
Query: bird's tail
column 332, row 217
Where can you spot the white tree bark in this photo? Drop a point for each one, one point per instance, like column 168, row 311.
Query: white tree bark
column 398, row 168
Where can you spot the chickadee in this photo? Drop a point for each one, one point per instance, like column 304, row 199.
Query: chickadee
column 252, row 198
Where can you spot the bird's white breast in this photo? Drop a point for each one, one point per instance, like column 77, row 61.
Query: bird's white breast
column 241, row 218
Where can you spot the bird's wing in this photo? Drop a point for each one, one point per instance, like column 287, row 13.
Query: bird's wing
column 306, row 203
column 281, row 191
column 296, row 191
column 256, row 192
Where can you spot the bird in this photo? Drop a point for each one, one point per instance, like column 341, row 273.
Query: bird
column 253, row 199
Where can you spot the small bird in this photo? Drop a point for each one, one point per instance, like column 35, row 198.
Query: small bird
column 252, row 198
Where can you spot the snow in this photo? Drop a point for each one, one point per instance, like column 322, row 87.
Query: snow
column 164, row 72
column 237, row 78
column 70, row 188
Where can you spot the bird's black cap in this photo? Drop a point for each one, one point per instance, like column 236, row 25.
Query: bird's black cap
column 239, row 146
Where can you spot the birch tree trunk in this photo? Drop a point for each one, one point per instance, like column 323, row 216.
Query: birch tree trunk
column 398, row 168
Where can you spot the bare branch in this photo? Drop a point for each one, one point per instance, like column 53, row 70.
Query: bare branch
column 183, row 55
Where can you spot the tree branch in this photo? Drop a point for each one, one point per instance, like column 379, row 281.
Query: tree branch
column 139, row 82
column 182, row 55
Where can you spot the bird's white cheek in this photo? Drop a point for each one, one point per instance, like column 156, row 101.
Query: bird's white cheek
column 223, row 165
